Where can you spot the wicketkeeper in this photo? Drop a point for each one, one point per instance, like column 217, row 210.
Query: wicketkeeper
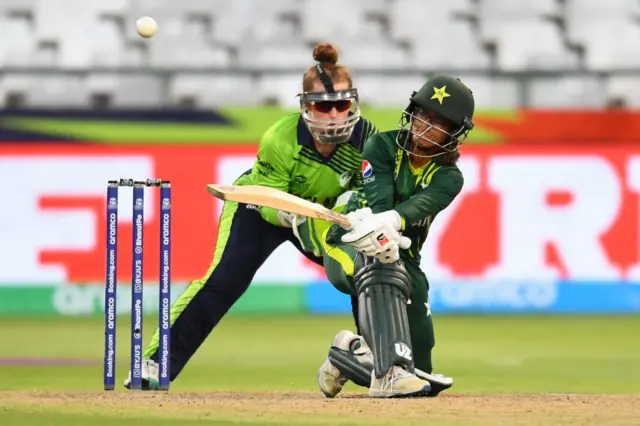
column 314, row 154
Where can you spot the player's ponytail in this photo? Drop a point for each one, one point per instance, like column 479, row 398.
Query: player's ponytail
column 326, row 54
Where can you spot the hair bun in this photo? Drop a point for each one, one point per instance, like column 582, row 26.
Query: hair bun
column 325, row 53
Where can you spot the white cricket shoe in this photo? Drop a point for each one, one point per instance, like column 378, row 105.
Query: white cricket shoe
column 398, row 383
column 330, row 379
column 150, row 376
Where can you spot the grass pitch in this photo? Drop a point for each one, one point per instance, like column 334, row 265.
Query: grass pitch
column 261, row 370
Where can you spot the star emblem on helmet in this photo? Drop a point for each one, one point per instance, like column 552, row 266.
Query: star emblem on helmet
column 440, row 94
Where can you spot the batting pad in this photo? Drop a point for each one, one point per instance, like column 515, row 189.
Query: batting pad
column 385, row 327
column 350, row 367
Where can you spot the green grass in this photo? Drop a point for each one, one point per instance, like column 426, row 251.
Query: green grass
column 487, row 356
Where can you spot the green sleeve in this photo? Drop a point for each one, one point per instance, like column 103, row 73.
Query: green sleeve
column 272, row 169
column 445, row 185
column 378, row 186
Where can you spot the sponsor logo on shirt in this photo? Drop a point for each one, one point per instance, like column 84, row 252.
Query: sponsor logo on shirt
column 299, row 185
column 264, row 167
column 367, row 170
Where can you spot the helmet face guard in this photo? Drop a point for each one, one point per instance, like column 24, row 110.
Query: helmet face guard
column 408, row 139
column 330, row 130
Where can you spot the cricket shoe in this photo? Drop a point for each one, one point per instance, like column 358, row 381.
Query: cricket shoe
column 439, row 382
column 398, row 383
column 150, row 376
column 330, row 378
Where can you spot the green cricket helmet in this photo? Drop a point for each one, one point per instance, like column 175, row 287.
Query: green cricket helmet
column 445, row 98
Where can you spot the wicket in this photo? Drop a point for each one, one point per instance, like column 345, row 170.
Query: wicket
column 137, row 278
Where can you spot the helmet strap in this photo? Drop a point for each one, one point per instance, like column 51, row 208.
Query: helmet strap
column 326, row 80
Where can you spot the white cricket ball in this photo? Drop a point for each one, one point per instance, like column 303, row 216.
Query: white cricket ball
column 146, row 26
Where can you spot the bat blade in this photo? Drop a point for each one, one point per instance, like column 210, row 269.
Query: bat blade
column 269, row 197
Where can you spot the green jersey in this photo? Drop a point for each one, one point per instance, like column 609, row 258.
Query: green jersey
column 391, row 182
column 287, row 160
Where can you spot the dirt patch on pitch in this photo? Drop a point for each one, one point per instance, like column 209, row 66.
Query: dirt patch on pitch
column 311, row 408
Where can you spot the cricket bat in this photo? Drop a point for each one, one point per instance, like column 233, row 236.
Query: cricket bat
column 264, row 196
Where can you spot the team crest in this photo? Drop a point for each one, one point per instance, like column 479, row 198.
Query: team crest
column 440, row 93
column 299, row 184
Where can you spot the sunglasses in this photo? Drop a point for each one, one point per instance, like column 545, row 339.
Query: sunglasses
column 327, row 106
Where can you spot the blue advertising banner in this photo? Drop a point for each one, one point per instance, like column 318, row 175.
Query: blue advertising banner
column 574, row 297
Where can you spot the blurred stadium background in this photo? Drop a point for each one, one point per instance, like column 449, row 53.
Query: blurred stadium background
column 548, row 221
column 550, row 78
column 522, row 53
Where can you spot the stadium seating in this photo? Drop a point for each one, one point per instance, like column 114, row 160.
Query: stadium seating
column 244, row 52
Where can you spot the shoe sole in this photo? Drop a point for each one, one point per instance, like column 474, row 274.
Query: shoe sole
column 336, row 340
column 436, row 388
column 415, row 394
column 328, row 395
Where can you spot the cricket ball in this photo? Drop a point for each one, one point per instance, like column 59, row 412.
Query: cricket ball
column 146, row 26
